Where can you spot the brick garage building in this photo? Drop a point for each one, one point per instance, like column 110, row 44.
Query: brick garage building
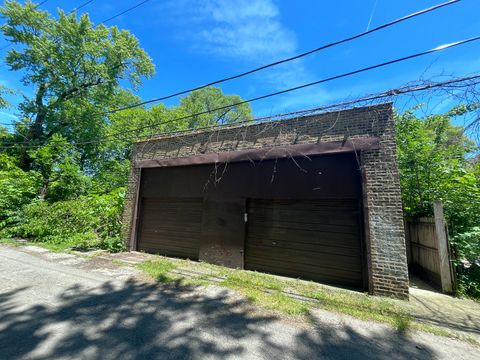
column 314, row 197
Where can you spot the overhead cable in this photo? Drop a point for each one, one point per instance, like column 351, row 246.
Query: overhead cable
column 323, row 47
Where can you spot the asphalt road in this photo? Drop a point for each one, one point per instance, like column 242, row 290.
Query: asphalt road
column 53, row 311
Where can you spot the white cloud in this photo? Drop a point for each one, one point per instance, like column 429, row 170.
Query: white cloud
column 245, row 28
column 246, row 31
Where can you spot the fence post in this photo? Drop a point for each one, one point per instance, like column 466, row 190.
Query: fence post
column 443, row 253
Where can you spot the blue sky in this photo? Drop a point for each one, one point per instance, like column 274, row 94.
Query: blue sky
column 197, row 41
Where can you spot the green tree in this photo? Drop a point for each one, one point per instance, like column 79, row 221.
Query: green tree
column 433, row 163
column 76, row 69
column 4, row 91
column 212, row 98
column 17, row 188
column 57, row 163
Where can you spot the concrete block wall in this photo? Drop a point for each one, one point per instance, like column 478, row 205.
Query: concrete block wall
column 384, row 232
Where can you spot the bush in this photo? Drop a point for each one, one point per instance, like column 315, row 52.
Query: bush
column 87, row 222
column 467, row 251
column 17, row 188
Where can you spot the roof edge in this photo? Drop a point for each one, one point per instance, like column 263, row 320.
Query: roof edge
column 258, row 121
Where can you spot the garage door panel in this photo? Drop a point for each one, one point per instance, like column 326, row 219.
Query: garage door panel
column 304, row 233
column 265, row 245
column 324, row 217
column 172, row 232
column 171, row 227
column 302, row 226
column 170, row 247
column 175, row 252
column 315, row 258
column 315, row 239
column 152, row 242
column 308, row 272
column 307, row 269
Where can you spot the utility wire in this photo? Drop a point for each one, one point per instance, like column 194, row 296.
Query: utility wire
column 323, row 47
column 277, row 62
column 124, row 12
column 313, row 111
column 350, row 73
column 79, row 7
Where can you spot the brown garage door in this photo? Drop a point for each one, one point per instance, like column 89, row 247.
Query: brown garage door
column 170, row 227
column 316, row 239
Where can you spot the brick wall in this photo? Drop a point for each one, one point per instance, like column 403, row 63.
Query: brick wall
column 385, row 240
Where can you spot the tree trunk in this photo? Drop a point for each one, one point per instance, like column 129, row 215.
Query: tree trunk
column 35, row 132
column 44, row 189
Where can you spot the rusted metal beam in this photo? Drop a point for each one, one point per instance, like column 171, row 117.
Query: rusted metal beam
column 280, row 152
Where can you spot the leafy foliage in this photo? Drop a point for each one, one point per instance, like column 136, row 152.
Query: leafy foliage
column 432, row 158
column 17, row 188
column 467, row 246
column 211, row 98
column 88, row 221
column 435, row 164
column 58, row 164
column 76, row 69
column 4, row 91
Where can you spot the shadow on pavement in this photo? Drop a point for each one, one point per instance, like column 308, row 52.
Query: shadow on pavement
column 443, row 310
column 149, row 321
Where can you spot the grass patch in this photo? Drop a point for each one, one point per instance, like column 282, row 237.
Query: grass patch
column 120, row 262
column 55, row 246
column 359, row 305
column 238, row 279
column 264, row 290
column 52, row 246
column 271, row 292
column 159, row 269
column 9, row 241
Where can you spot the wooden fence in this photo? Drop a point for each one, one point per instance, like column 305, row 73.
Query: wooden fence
column 428, row 250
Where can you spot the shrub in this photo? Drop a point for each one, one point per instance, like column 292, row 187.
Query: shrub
column 17, row 188
column 467, row 251
column 87, row 222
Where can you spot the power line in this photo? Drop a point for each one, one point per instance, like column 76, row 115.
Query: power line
column 124, row 12
column 323, row 47
column 385, row 94
column 436, row 49
column 312, row 111
column 350, row 73
column 79, row 7
column 301, row 55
